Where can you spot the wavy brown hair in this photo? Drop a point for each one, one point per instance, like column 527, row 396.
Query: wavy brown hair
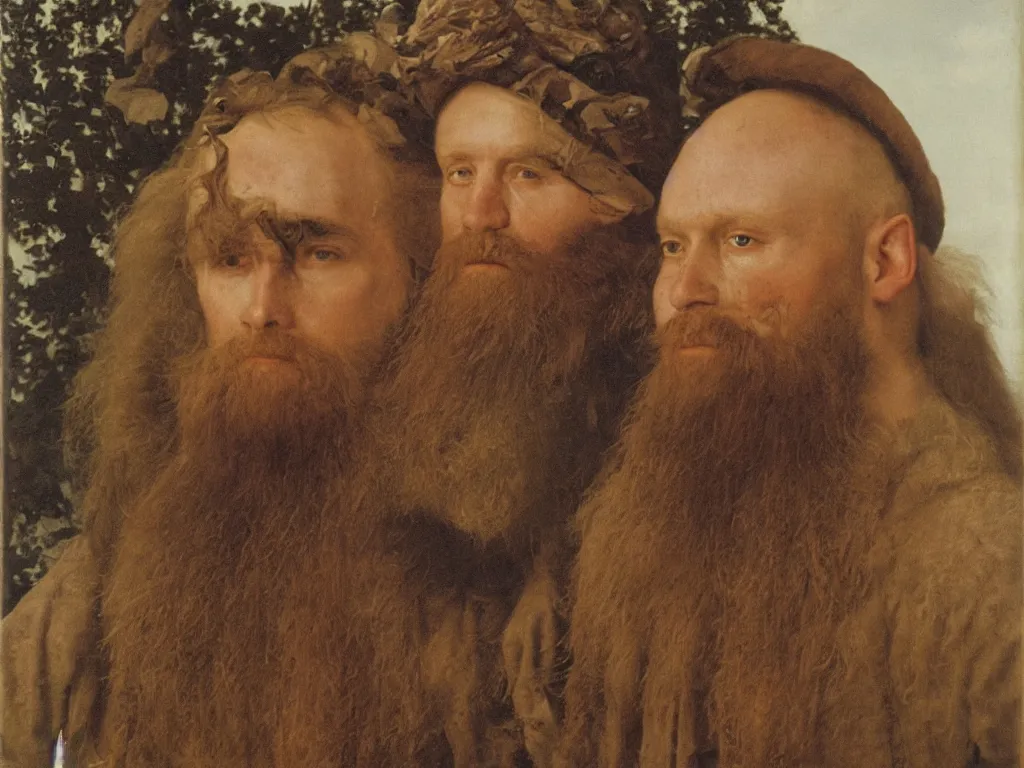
column 120, row 422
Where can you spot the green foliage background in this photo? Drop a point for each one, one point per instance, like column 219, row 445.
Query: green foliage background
column 71, row 166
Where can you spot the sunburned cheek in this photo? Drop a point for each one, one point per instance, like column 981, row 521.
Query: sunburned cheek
column 351, row 304
column 755, row 303
column 780, row 304
column 663, row 309
column 220, row 306
column 451, row 215
column 770, row 320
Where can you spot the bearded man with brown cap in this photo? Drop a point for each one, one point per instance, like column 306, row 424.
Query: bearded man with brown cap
column 508, row 377
column 256, row 277
column 807, row 549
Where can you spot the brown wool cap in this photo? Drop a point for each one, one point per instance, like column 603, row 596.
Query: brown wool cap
column 606, row 85
column 712, row 76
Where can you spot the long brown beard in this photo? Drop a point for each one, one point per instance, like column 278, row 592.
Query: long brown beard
column 505, row 387
column 722, row 552
column 497, row 369
column 207, row 554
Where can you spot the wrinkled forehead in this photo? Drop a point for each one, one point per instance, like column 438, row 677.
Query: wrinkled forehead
column 297, row 163
column 484, row 122
column 482, row 116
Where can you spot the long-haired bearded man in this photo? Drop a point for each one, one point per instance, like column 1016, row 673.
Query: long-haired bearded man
column 256, row 278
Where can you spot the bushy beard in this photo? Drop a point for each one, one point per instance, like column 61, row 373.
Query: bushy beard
column 752, row 407
column 506, row 383
column 280, row 411
column 732, row 519
column 206, row 555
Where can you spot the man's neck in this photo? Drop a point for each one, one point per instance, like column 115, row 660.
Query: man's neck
column 897, row 388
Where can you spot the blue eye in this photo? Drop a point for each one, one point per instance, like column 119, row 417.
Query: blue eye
column 529, row 174
column 457, row 175
column 742, row 241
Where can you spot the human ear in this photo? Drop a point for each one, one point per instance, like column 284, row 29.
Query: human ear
column 891, row 258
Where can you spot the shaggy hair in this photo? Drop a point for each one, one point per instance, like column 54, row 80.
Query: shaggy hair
column 203, row 483
column 738, row 525
column 204, row 557
column 728, row 542
column 956, row 346
column 120, row 422
column 504, row 388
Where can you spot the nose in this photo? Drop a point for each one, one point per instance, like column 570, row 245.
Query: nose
column 687, row 283
column 270, row 297
column 486, row 209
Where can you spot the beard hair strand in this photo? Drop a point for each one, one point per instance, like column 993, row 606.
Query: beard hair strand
column 208, row 553
column 505, row 387
column 734, row 516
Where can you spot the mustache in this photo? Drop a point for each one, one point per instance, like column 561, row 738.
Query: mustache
column 704, row 327
column 277, row 345
column 484, row 248
column 225, row 365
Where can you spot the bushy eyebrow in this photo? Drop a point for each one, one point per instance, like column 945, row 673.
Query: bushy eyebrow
column 291, row 230
column 543, row 160
column 224, row 225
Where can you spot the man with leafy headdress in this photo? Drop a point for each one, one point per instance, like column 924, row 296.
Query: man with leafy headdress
column 509, row 375
column 256, row 277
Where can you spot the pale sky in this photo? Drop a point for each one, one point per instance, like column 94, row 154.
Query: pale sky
column 954, row 69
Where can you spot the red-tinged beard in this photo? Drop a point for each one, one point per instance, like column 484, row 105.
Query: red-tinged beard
column 732, row 516
column 733, row 407
column 273, row 394
column 486, row 423
column 208, row 552
column 502, row 389
column 508, row 380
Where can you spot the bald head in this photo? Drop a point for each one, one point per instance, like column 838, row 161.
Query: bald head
column 779, row 212
column 794, row 148
column 771, row 207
